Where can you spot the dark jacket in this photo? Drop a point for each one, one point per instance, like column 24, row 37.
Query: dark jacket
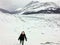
column 22, row 37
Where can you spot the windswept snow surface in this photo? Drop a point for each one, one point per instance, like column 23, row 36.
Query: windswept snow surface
column 39, row 28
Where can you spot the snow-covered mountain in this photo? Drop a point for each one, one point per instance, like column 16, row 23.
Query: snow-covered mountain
column 9, row 12
column 4, row 11
column 36, row 6
column 18, row 9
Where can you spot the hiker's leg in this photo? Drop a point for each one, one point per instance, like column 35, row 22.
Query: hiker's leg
column 22, row 42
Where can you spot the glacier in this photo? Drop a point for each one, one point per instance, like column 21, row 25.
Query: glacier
column 39, row 28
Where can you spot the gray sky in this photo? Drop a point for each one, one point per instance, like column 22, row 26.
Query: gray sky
column 13, row 4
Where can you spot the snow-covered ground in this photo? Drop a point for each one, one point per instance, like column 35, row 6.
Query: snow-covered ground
column 39, row 28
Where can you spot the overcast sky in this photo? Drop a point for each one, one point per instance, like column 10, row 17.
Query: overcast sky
column 14, row 4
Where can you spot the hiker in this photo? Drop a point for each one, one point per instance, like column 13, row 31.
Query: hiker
column 22, row 37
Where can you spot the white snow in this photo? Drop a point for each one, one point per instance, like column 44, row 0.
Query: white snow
column 39, row 28
column 35, row 6
column 18, row 9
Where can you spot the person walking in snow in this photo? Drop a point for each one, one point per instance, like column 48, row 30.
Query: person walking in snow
column 22, row 37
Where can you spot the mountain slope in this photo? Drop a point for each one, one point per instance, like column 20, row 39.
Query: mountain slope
column 37, row 7
column 9, row 12
column 39, row 28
